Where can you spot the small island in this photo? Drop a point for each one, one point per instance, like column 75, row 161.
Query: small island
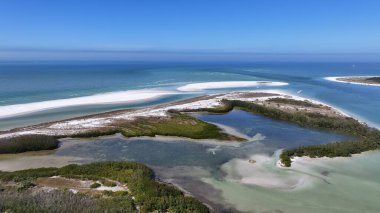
column 364, row 80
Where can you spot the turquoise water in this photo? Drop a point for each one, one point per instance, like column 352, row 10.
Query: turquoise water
column 36, row 82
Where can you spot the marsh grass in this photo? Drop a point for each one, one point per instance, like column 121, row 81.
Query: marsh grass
column 26, row 143
column 295, row 102
column 177, row 124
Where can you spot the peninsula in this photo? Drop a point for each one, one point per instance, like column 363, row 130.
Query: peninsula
column 364, row 80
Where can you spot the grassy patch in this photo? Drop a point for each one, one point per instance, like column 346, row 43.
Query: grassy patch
column 306, row 119
column 96, row 133
column 177, row 124
column 108, row 183
column 294, row 102
column 369, row 141
column 61, row 201
column 27, row 143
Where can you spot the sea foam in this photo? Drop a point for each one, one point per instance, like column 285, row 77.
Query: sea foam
column 131, row 96
column 227, row 84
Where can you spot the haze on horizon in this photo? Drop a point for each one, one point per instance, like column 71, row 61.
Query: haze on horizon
column 196, row 30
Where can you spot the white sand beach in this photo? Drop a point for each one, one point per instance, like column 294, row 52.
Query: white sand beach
column 132, row 96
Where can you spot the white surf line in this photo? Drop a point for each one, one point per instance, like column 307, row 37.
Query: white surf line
column 335, row 79
column 131, row 96
column 227, row 84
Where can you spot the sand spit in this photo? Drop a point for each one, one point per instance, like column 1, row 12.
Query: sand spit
column 132, row 96
column 360, row 80
column 106, row 120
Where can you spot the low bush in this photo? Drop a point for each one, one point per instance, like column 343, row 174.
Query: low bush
column 95, row 185
column 26, row 143
column 149, row 195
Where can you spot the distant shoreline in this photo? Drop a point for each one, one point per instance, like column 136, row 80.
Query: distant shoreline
column 360, row 80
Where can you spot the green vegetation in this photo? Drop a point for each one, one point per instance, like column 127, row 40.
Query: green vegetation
column 224, row 108
column 95, row 185
column 27, row 143
column 366, row 138
column 108, row 183
column 366, row 142
column 25, row 184
column 304, row 119
column 294, row 102
column 61, row 201
column 374, row 79
column 176, row 125
column 149, row 195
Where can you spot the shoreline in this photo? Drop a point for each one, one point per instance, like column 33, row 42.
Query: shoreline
column 132, row 96
column 336, row 79
column 106, row 120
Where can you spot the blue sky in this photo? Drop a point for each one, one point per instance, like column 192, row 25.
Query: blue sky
column 117, row 29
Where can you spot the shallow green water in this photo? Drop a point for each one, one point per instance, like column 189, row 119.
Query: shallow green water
column 324, row 185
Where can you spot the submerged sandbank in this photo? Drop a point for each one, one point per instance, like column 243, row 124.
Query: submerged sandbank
column 310, row 185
